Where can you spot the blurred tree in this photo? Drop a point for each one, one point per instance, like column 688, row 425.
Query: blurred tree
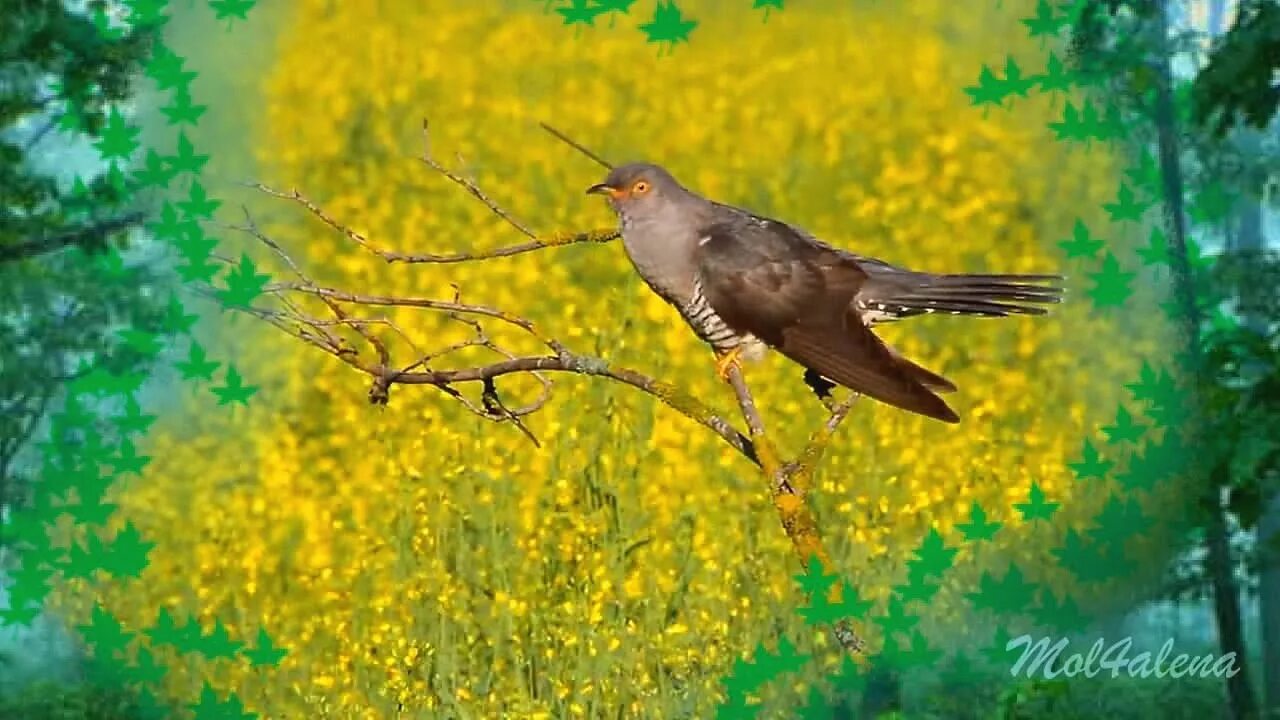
column 65, row 290
column 1208, row 147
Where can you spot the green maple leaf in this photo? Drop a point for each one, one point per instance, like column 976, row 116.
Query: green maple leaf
column 1045, row 23
column 1056, row 77
column 1126, row 206
column 118, row 138
column 92, row 511
column 30, row 584
column 918, row 654
column 1065, row 617
column 128, row 461
column 1146, row 174
column 147, row 12
column 1125, row 428
column 218, row 643
column 140, row 341
column 1111, row 127
column 186, row 159
column 244, row 284
column 199, row 204
column 978, row 528
column 1085, row 560
column 264, row 652
column 72, row 120
column 144, row 669
column 998, row 652
column 1111, row 284
column 896, row 618
column 176, row 319
column 1013, row 594
column 1013, row 80
column 767, row 5
column 1081, row 244
column 1156, row 389
column 1091, row 465
column 822, row 610
column 1156, row 251
column 166, row 630
column 126, row 555
column 851, row 604
column 1147, row 379
column 211, row 708
column 580, row 12
column 668, row 25
column 744, row 677
column 814, row 581
column 990, row 89
column 105, row 634
column 170, row 226
column 102, row 22
column 231, row 10
column 19, row 616
column 1118, row 521
column 181, row 111
column 234, row 390
column 1073, row 126
column 165, row 68
column 153, row 172
column 933, row 556
column 1036, row 507
column 202, row 270
column 197, row 365
column 194, row 245
column 1211, row 204
column 132, row 420
column 917, row 590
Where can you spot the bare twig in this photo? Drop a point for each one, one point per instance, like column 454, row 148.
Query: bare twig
column 391, row 256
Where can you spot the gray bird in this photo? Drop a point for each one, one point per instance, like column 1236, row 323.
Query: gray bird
column 744, row 282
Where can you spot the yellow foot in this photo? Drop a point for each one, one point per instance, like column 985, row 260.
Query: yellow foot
column 727, row 362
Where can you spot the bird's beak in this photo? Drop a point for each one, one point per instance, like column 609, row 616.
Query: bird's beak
column 604, row 189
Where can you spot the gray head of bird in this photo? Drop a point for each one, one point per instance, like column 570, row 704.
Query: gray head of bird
column 640, row 190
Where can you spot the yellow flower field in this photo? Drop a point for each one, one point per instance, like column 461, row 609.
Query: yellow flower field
column 419, row 562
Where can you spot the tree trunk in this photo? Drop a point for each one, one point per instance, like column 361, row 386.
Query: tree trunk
column 1220, row 566
column 1249, row 239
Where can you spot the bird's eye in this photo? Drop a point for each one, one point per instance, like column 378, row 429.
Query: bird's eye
column 640, row 188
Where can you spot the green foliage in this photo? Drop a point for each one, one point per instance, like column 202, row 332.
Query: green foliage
column 57, row 67
column 1077, row 698
column 1237, row 85
column 66, row 292
column 56, row 701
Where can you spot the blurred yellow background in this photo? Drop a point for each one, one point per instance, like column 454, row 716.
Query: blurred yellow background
column 420, row 562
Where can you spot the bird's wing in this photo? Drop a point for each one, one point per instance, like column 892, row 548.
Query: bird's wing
column 763, row 277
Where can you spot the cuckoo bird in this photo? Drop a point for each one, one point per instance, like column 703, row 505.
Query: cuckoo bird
column 744, row 283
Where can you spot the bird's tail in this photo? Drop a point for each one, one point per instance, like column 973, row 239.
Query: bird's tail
column 982, row 295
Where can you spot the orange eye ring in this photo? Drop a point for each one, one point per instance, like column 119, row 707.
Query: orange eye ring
column 640, row 188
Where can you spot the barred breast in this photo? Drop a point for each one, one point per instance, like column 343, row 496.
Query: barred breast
column 712, row 330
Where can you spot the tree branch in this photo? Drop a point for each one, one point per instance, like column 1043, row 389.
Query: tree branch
column 97, row 232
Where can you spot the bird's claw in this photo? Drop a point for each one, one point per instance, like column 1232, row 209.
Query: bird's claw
column 728, row 362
